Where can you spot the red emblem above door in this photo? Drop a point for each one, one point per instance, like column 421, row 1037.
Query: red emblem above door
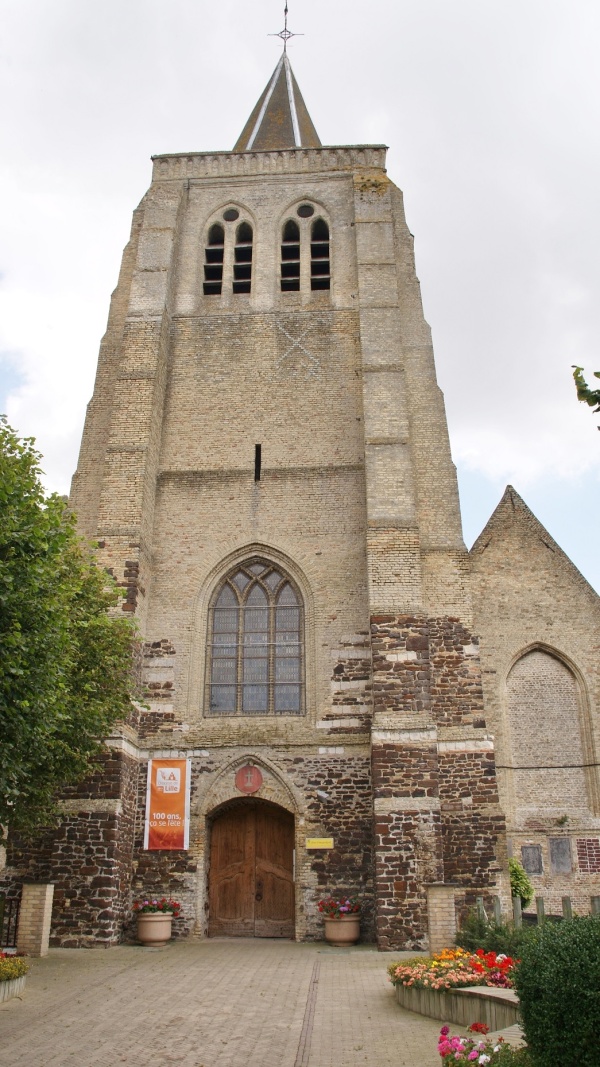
column 248, row 779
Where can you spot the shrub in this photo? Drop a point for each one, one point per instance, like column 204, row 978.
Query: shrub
column 492, row 936
column 558, row 985
column 520, row 886
column 12, row 967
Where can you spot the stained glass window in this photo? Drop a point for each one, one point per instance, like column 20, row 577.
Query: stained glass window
column 256, row 648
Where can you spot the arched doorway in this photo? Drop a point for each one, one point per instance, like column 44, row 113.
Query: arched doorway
column 251, row 875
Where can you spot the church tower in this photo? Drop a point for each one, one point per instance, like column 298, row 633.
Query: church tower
column 339, row 698
column 266, row 469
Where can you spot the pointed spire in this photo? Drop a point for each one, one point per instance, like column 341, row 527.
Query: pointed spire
column 280, row 118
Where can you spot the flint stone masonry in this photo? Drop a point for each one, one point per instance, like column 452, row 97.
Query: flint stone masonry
column 435, row 681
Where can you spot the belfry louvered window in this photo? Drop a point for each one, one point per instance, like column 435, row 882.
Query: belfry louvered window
column 256, row 647
column 242, row 266
column 213, row 260
column 290, row 257
column 320, row 273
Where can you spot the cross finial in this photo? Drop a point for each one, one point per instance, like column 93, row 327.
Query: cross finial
column 285, row 34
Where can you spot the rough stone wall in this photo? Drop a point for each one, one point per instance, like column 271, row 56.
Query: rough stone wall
column 87, row 858
column 328, row 790
column 539, row 625
column 437, row 816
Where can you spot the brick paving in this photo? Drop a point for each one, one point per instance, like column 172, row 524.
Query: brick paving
column 215, row 1003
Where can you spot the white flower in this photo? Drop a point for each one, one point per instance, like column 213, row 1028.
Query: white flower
column 483, row 1058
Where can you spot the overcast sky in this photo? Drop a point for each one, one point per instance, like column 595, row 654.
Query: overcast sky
column 491, row 111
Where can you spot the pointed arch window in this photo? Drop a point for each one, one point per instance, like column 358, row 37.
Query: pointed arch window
column 320, row 271
column 242, row 265
column 305, row 252
column 213, row 260
column 256, row 644
column 290, row 257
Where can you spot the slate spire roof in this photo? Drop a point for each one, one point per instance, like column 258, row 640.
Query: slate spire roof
column 280, row 119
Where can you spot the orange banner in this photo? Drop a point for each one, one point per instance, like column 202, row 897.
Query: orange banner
column 167, row 804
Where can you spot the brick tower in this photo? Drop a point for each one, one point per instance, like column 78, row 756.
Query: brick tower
column 266, row 417
column 266, row 469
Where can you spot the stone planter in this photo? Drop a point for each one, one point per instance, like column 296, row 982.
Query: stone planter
column 154, row 928
column 342, row 931
column 14, row 988
column 498, row 1008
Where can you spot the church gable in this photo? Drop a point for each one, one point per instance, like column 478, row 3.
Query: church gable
column 538, row 623
column 517, row 550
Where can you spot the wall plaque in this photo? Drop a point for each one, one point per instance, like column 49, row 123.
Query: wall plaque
column 319, row 842
column 248, row 779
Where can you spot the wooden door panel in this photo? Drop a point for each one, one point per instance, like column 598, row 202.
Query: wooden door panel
column 251, row 888
column 274, row 911
column 231, row 895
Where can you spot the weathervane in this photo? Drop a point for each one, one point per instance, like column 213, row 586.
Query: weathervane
column 285, row 34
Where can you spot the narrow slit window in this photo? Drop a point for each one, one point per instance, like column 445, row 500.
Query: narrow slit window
column 242, row 264
column 290, row 258
column 213, row 261
column 320, row 270
column 257, row 462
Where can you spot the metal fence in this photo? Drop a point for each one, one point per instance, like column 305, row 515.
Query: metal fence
column 9, row 920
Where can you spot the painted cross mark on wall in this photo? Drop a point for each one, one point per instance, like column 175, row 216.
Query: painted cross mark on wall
column 297, row 358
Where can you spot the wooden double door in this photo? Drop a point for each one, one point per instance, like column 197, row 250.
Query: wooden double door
column 251, row 876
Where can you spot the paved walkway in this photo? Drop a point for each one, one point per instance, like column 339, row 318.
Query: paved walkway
column 216, row 1003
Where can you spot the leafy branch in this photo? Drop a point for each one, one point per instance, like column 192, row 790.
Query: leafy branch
column 584, row 393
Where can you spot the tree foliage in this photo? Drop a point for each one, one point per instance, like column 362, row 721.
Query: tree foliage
column 66, row 663
column 584, row 393
column 520, row 886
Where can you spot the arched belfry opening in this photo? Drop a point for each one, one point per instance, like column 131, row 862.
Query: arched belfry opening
column 251, row 870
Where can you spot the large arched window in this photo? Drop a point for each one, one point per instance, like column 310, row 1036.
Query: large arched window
column 256, row 654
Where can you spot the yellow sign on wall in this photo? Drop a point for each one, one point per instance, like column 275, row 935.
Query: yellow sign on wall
column 319, row 842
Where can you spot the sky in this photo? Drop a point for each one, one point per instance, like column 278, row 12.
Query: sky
column 491, row 111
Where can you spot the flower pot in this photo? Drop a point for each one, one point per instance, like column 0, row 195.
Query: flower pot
column 342, row 931
column 13, row 988
column 154, row 928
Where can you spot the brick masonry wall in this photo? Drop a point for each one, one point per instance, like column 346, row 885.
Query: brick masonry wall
column 542, row 690
column 436, row 801
column 539, row 626
column 343, row 811
column 87, row 857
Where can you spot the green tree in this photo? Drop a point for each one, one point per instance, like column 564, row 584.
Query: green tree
column 520, row 886
column 65, row 662
column 584, row 393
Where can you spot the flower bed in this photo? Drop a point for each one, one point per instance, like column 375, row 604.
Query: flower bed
column 453, row 969
column 478, row 1049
